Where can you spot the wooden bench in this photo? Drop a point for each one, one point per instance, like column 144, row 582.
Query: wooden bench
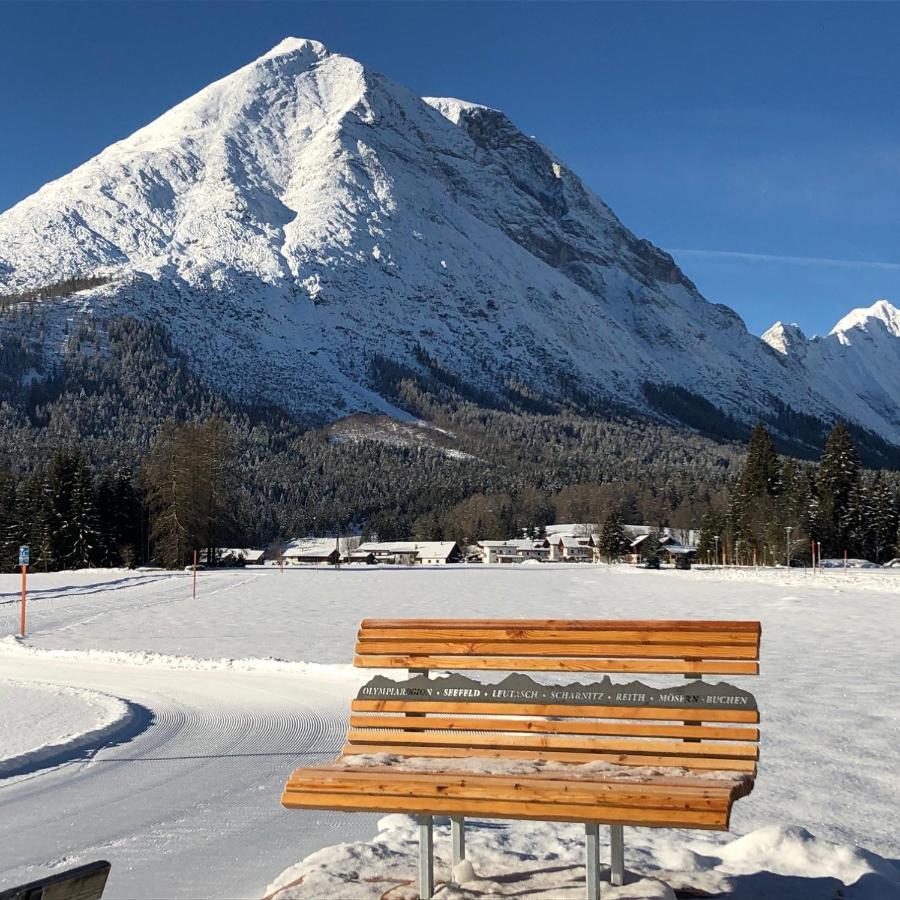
column 660, row 757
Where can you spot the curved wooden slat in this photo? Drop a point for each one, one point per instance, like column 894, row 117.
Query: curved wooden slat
column 496, row 809
column 622, row 759
column 550, row 650
column 413, row 784
column 501, row 632
column 556, row 664
column 571, row 624
column 660, row 713
column 556, row 726
column 477, row 740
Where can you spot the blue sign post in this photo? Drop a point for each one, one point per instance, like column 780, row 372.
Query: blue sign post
column 24, row 559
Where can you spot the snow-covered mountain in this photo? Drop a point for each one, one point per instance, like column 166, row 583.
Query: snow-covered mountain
column 856, row 365
column 305, row 216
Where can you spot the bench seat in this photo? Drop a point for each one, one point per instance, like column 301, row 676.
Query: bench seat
column 675, row 800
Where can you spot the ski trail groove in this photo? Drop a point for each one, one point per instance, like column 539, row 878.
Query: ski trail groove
column 202, row 782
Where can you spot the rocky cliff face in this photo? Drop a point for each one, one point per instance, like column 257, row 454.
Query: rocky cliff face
column 304, row 216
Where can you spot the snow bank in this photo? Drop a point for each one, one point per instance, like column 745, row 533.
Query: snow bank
column 537, row 859
column 45, row 724
column 12, row 645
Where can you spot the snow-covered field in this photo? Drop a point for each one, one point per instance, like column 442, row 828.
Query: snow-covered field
column 252, row 679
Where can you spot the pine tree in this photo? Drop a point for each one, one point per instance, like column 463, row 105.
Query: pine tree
column 613, row 540
column 711, row 529
column 853, row 522
column 754, row 502
column 883, row 520
column 32, row 521
column 9, row 536
column 71, row 512
column 836, row 477
column 120, row 517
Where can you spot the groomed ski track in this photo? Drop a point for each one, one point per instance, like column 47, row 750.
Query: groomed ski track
column 189, row 808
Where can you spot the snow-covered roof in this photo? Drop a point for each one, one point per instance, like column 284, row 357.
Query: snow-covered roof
column 315, row 547
column 576, row 528
column 571, row 541
column 249, row 554
column 421, row 549
column 678, row 550
column 665, row 540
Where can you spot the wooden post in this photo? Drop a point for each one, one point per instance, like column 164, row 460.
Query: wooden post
column 194, row 595
column 24, row 590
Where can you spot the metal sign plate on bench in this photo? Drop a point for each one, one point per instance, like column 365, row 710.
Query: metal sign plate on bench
column 82, row 883
column 519, row 688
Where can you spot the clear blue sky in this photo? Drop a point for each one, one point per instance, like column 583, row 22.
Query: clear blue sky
column 759, row 143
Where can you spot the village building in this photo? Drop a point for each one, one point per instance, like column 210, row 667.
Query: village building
column 497, row 551
column 681, row 557
column 362, row 557
column 513, row 551
column 411, row 553
column 669, row 549
column 239, row 556
column 572, row 548
column 313, row 552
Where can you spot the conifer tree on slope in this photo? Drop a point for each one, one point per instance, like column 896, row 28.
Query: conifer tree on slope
column 883, row 536
column 755, row 498
column 836, row 477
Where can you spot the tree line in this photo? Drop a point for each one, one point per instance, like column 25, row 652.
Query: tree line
column 498, row 469
column 180, row 500
column 776, row 508
column 187, row 495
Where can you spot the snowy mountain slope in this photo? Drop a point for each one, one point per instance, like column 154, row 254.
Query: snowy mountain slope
column 856, row 365
column 303, row 216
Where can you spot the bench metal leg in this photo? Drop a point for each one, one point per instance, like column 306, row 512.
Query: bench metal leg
column 458, row 839
column 616, row 854
column 592, row 860
column 426, row 857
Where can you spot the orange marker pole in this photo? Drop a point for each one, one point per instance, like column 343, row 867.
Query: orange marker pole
column 195, row 575
column 24, row 590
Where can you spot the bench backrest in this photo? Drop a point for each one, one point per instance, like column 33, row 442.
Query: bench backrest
column 698, row 726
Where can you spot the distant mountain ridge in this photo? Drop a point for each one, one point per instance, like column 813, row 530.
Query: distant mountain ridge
column 304, row 218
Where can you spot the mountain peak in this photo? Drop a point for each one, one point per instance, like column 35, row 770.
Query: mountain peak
column 297, row 45
column 303, row 219
column 453, row 109
column 785, row 338
column 882, row 311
